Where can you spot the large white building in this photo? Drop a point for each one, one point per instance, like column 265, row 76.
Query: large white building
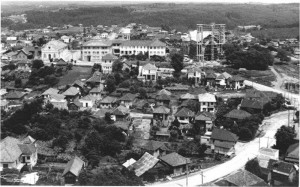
column 52, row 50
column 94, row 50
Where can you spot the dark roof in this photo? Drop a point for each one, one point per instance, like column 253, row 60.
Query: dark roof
column 185, row 112
column 175, row 159
column 109, row 100
column 244, row 178
column 120, row 111
column 211, row 76
column 280, row 166
column 14, row 95
column 205, row 116
column 74, row 166
column 237, row 114
column 227, row 145
column 78, row 83
column 109, row 57
column 221, row 134
column 236, row 78
column 161, row 110
column 252, row 103
column 292, row 153
column 27, row 149
column 154, row 145
column 163, row 97
column 128, row 97
column 96, row 89
column 96, row 78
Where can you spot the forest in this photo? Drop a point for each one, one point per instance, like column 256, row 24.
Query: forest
column 187, row 16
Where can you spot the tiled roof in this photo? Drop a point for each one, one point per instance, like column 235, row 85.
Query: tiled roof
column 28, row 140
column 97, row 43
column 120, row 111
column 211, row 76
column 88, row 98
column 185, row 112
column 108, row 99
column 78, row 83
column 161, row 110
column 226, row 75
column 149, row 66
column 224, row 135
column 252, row 103
column 96, row 78
column 56, row 44
column 96, row 89
column 244, row 178
column 207, row 97
column 72, row 91
column 205, row 116
column 175, row 159
column 237, row 114
column 188, row 96
column 226, row 145
column 154, row 145
column 293, row 152
column 164, row 91
column 10, row 150
column 27, row 149
column 57, row 97
column 178, row 87
column 109, row 57
column 146, row 43
column 280, row 166
column 50, row 91
column 14, row 95
column 145, row 163
column 237, row 78
column 74, row 166
column 163, row 97
column 128, row 97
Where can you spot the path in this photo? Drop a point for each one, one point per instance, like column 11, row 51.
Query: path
column 245, row 152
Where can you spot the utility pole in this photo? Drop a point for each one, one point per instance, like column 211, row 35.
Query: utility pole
column 201, row 173
column 288, row 118
column 187, row 172
column 268, row 142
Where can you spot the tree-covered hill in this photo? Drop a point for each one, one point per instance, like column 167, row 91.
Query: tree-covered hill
column 178, row 16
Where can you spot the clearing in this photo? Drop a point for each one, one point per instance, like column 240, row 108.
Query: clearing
column 77, row 73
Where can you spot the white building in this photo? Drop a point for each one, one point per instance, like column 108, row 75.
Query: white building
column 107, row 62
column 148, row 72
column 207, row 102
column 195, row 73
column 134, row 47
column 87, row 101
column 94, row 50
column 52, row 50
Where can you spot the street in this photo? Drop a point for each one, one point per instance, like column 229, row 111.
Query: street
column 244, row 152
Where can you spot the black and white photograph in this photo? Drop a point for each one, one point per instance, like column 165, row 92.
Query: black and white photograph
column 161, row 93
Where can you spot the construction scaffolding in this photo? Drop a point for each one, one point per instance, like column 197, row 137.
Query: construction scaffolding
column 215, row 41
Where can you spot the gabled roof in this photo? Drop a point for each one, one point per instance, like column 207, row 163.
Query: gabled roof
column 97, row 43
column 280, row 166
column 226, row 145
column 57, row 97
column 109, row 100
column 164, row 91
column 163, row 97
column 149, row 66
column 109, row 57
column 207, row 97
column 120, row 111
column 96, row 78
column 154, row 145
column 78, row 83
column 292, row 153
column 88, row 98
column 14, row 95
column 72, row 91
column 185, row 112
column 205, row 116
column 27, row 149
column 50, row 91
column 96, row 89
column 221, row 76
column 244, row 178
column 252, row 103
column 224, row 135
column 175, row 159
column 28, row 140
column 10, row 150
column 188, row 96
column 128, row 97
column 74, row 166
column 237, row 114
column 237, row 78
column 161, row 110
column 145, row 163
column 211, row 76
column 56, row 44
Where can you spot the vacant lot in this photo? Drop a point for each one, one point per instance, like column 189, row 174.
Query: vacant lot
column 77, row 73
column 290, row 69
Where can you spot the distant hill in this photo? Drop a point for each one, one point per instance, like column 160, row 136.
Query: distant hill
column 179, row 16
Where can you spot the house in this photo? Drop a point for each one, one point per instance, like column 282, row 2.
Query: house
column 95, row 80
column 185, row 115
column 164, row 91
column 145, row 163
column 52, row 50
column 74, row 106
column 21, row 55
column 120, row 113
column 58, row 101
column 79, row 85
column 15, row 154
column 162, row 135
column 4, row 105
column 148, row 72
column 23, row 65
column 87, row 101
column 221, row 81
column 210, row 79
column 237, row 114
column 61, row 63
column 205, row 121
column 127, row 99
column 177, row 162
column 49, row 92
column 14, row 96
column 253, row 105
column 107, row 62
column 281, row 173
column 155, row 148
column 96, row 92
column 265, row 153
column 161, row 113
column 72, row 170
column 108, row 102
column 129, row 162
column 292, row 154
column 195, row 73
column 223, row 141
column 153, row 47
column 94, row 50
column 71, row 93
column 236, row 82
column 188, row 96
column 66, row 39
column 207, row 102
column 243, row 178
column 163, row 99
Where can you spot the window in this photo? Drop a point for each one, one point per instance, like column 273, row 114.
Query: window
column 204, row 103
column 5, row 165
column 28, row 157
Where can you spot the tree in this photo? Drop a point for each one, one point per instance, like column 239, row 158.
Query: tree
column 110, row 85
column 282, row 55
column 18, row 83
column 142, row 93
column 51, row 80
column 253, row 167
column 177, row 62
column 245, row 134
column 108, row 117
column 117, row 66
column 284, row 138
column 37, row 64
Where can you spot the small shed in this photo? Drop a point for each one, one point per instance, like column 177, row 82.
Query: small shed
column 72, row 170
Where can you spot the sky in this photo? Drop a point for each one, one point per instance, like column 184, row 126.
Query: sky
column 181, row 1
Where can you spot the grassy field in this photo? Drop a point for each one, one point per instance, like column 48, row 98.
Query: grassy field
column 77, row 73
column 291, row 69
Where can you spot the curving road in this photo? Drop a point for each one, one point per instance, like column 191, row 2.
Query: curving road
column 244, row 152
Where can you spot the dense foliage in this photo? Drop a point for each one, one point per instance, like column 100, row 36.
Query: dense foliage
column 284, row 138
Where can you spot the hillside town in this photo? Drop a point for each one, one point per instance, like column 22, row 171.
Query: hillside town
column 141, row 105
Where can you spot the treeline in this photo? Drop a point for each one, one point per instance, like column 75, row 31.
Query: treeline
column 178, row 18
